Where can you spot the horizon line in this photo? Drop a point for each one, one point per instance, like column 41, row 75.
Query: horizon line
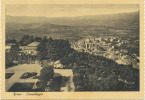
column 73, row 16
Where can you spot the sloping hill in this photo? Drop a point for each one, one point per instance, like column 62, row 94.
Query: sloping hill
column 73, row 28
column 81, row 20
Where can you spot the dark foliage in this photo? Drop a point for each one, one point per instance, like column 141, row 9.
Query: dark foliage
column 96, row 73
column 11, row 41
column 12, row 56
column 26, row 39
column 38, row 39
column 46, row 74
column 9, row 60
column 14, row 51
column 106, row 79
column 53, row 49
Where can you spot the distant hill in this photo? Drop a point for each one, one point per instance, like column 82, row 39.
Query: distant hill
column 81, row 20
column 73, row 28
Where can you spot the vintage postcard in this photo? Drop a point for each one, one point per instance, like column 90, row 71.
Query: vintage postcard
column 72, row 49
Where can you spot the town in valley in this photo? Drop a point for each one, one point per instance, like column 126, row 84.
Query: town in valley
column 69, row 53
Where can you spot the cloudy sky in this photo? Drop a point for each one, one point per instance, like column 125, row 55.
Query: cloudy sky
column 65, row 10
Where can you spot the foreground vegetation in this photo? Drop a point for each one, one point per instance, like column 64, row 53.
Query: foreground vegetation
column 96, row 73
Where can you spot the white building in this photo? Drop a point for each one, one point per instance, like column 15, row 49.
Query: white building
column 31, row 48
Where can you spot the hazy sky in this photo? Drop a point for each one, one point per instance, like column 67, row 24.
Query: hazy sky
column 66, row 10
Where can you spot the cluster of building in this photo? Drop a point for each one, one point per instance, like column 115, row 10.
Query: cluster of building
column 29, row 49
column 101, row 46
column 107, row 47
column 27, row 54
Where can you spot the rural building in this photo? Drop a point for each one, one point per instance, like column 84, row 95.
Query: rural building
column 30, row 49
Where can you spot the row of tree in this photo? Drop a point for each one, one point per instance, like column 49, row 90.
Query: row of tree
column 25, row 40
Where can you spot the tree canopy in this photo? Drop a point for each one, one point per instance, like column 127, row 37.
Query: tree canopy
column 53, row 49
column 26, row 39
column 97, row 73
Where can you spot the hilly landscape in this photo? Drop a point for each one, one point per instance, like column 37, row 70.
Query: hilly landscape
column 73, row 28
column 70, row 54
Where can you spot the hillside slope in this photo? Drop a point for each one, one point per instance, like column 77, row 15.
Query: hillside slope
column 73, row 28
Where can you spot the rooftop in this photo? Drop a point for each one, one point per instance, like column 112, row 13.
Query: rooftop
column 28, row 47
column 33, row 44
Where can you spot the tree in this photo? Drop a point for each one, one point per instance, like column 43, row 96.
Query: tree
column 38, row 39
column 46, row 74
column 53, row 49
column 96, row 73
column 11, row 41
column 26, row 39
column 14, row 52
column 9, row 60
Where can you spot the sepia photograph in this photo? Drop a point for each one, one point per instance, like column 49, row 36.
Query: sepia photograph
column 61, row 48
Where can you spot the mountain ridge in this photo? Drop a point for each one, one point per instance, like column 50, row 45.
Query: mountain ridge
column 73, row 28
column 78, row 20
